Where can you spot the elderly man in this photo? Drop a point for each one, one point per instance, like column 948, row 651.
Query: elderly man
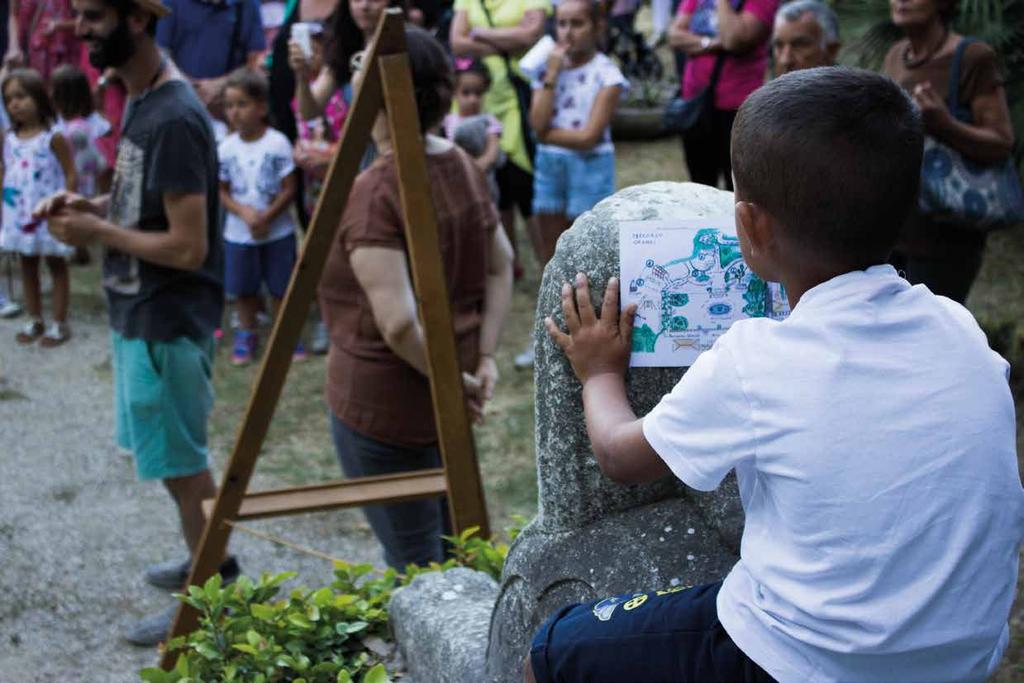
column 806, row 35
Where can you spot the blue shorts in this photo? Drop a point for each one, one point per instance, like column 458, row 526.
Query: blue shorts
column 667, row 636
column 571, row 183
column 163, row 395
column 247, row 267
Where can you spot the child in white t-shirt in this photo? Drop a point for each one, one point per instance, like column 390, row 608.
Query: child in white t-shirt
column 571, row 112
column 258, row 185
column 872, row 432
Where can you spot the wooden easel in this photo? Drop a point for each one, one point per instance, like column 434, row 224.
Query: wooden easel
column 387, row 80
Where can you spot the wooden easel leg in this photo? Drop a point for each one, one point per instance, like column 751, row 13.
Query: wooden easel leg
column 465, row 491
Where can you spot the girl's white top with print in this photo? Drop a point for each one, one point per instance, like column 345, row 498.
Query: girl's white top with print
column 31, row 173
column 575, row 93
column 873, row 437
column 255, row 171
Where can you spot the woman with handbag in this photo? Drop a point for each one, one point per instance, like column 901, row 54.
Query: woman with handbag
column 498, row 32
column 938, row 68
column 726, row 44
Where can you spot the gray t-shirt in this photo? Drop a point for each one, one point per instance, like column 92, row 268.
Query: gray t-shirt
column 167, row 145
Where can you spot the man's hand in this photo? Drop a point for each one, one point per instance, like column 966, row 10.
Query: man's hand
column 487, row 376
column 208, row 90
column 76, row 228
column 473, row 392
column 62, row 201
column 594, row 346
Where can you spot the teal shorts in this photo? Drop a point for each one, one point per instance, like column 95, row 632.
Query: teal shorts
column 163, row 395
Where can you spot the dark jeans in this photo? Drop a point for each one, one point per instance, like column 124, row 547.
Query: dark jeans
column 410, row 532
column 707, row 156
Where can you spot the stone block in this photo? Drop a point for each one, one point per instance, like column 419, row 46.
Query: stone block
column 440, row 622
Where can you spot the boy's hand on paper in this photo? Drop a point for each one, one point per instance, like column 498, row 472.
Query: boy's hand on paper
column 594, row 346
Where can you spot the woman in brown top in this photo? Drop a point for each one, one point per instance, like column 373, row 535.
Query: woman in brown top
column 377, row 386
column 947, row 256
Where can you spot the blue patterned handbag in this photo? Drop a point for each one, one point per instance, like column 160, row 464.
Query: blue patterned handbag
column 956, row 189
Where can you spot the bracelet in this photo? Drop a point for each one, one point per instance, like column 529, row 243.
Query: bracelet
column 548, row 85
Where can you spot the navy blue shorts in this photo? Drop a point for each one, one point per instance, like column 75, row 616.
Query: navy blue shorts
column 667, row 636
column 248, row 266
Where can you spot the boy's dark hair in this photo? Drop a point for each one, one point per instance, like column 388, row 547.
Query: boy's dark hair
column 71, row 94
column 126, row 7
column 473, row 66
column 33, row 83
column 431, row 76
column 834, row 155
column 251, row 82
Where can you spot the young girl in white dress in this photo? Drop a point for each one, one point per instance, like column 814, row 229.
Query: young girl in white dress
column 37, row 162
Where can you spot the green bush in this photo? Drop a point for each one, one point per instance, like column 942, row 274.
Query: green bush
column 247, row 634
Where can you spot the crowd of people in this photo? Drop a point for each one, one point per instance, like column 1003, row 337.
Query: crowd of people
column 205, row 128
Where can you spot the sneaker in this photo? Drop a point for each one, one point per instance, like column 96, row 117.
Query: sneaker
column 320, row 342
column 9, row 309
column 151, row 630
column 524, row 360
column 172, row 575
column 244, row 348
column 299, row 354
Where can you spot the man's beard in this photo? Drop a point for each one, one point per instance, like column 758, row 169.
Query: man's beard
column 113, row 50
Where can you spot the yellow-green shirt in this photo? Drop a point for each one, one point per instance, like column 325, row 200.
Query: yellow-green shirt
column 500, row 99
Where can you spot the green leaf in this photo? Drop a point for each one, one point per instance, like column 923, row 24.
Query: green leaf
column 344, row 677
column 263, row 612
column 300, row 620
column 208, row 651
column 356, row 626
column 313, row 613
column 248, row 649
column 253, row 638
column 377, row 674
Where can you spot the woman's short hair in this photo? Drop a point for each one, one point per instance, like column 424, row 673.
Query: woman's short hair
column 431, row 76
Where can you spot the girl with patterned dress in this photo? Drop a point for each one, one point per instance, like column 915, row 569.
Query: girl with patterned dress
column 82, row 126
column 37, row 162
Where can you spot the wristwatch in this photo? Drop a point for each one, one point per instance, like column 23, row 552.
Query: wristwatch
column 705, row 42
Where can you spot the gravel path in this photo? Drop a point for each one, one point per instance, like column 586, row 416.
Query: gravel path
column 77, row 528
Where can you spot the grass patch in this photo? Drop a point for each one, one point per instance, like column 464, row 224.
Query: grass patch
column 9, row 394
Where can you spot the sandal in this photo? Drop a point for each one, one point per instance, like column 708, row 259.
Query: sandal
column 32, row 331
column 56, row 334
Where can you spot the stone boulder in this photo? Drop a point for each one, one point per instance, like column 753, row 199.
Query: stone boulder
column 593, row 537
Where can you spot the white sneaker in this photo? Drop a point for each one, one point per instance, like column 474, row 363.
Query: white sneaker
column 9, row 309
column 524, row 361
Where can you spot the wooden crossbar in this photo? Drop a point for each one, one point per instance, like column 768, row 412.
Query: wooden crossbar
column 332, row 495
column 386, row 78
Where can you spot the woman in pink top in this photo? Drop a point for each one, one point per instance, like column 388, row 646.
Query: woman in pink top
column 705, row 29
column 41, row 35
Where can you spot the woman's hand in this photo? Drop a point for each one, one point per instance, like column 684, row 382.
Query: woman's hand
column 297, row 60
column 14, row 58
column 487, row 375
column 313, row 157
column 472, row 390
column 934, row 111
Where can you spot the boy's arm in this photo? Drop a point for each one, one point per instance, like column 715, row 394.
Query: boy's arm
column 283, row 199
column 598, row 350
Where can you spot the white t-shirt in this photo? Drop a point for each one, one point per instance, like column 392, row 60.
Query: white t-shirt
column 873, row 437
column 255, row 170
column 575, row 93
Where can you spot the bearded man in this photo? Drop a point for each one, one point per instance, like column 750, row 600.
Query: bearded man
column 162, row 270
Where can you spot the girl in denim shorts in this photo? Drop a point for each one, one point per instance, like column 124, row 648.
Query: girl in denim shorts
column 572, row 108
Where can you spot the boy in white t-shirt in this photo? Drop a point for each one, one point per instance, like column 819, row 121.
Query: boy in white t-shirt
column 258, row 185
column 872, row 432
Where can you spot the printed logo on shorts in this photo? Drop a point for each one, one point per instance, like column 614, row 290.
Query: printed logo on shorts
column 604, row 609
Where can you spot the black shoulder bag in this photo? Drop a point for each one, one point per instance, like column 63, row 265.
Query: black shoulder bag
column 693, row 115
column 524, row 93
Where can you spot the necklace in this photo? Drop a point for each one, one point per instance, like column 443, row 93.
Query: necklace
column 924, row 59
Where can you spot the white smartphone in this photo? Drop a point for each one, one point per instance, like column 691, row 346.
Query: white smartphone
column 301, row 32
